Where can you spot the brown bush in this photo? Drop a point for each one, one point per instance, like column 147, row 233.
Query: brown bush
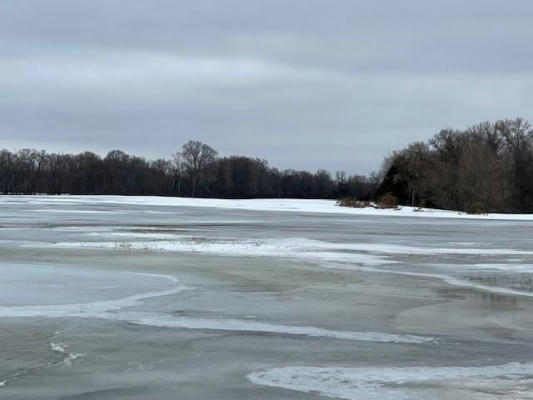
column 388, row 201
column 475, row 209
column 353, row 203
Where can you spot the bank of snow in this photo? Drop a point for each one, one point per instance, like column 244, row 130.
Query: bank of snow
column 282, row 205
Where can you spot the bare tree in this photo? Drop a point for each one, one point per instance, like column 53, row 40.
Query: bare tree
column 177, row 173
column 196, row 157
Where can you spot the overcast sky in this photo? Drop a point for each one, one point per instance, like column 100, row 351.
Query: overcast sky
column 305, row 84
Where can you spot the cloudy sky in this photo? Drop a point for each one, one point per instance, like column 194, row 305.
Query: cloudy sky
column 305, row 84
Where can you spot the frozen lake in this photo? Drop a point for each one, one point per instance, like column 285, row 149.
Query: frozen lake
column 156, row 298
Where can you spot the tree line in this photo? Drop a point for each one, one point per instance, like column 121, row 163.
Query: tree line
column 487, row 167
column 195, row 171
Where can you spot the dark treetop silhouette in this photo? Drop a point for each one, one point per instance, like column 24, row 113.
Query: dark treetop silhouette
column 195, row 171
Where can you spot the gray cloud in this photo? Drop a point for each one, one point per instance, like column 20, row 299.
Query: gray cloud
column 304, row 84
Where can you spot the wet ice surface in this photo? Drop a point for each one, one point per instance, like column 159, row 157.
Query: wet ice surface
column 71, row 293
column 44, row 285
column 397, row 383
column 107, row 299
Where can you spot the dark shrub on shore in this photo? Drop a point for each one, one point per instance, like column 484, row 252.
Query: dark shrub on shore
column 388, row 201
column 353, row 203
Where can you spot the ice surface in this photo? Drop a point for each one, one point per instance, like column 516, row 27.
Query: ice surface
column 285, row 248
column 62, row 289
column 62, row 349
column 118, row 308
column 303, row 315
column 59, row 347
column 507, row 267
column 452, row 280
column 371, row 257
column 300, row 247
column 388, row 383
column 239, row 325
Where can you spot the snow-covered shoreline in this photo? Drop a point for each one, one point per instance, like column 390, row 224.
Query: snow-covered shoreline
column 279, row 205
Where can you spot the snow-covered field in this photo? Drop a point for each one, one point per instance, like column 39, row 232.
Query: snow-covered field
column 278, row 205
column 145, row 297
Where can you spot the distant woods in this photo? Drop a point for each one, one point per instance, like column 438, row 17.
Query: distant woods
column 485, row 168
column 196, row 170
